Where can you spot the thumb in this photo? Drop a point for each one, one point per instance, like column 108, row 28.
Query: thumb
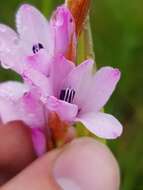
column 81, row 165
column 87, row 164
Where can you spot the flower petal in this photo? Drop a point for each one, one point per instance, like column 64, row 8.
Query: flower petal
column 79, row 79
column 39, row 61
column 32, row 27
column 16, row 103
column 39, row 141
column 10, row 55
column 101, row 124
column 102, row 87
column 38, row 80
column 12, row 90
column 60, row 68
column 65, row 110
column 63, row 27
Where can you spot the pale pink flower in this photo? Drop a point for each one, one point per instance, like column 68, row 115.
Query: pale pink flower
column 51, row 82
column 31, row 49
column 76, row 94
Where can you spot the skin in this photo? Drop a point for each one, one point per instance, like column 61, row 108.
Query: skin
column 82, row 164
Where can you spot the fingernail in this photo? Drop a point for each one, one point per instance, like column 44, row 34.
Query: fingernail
column 67, row 184
column 63, row 170
column 84, row 164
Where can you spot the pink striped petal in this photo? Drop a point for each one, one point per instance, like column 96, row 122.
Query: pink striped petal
column 101, row 124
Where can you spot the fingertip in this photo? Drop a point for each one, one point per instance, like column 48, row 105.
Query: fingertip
column 36, row 176
column 87, row 164
column 83, row 164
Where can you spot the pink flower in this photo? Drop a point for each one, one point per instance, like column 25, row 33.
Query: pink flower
column 51, row 82
column 36, row 36
column 78, row 95
column 32, row 49
column 17, row 103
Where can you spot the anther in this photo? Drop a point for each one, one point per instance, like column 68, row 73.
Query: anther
column 37, row 47
column 67, row 95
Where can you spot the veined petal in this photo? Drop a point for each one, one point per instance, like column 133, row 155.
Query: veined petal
column 101, row 124
column 63, row 28
column 10, row 56
column 60, row 68
column 39, row 141
column 65, row 110
column 17, row 104
column 32, row 27
column 102, row 87
column 79, row 79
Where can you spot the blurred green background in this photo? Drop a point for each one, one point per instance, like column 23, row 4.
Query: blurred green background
column 117, row 27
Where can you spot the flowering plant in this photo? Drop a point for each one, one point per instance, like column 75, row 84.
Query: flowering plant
column 55, row 92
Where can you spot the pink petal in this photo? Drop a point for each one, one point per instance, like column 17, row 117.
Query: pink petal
column 34, row 109
column 16, row 104
column 39, row 61
column 65, row 110
column 63, row 27
column 101, row 124
column 102, row 87
column 32, row 27
column 10, row 56
column 13, row 90
column 60, row 68
column 39, row 141
column 79, row 79
column 37, row 79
